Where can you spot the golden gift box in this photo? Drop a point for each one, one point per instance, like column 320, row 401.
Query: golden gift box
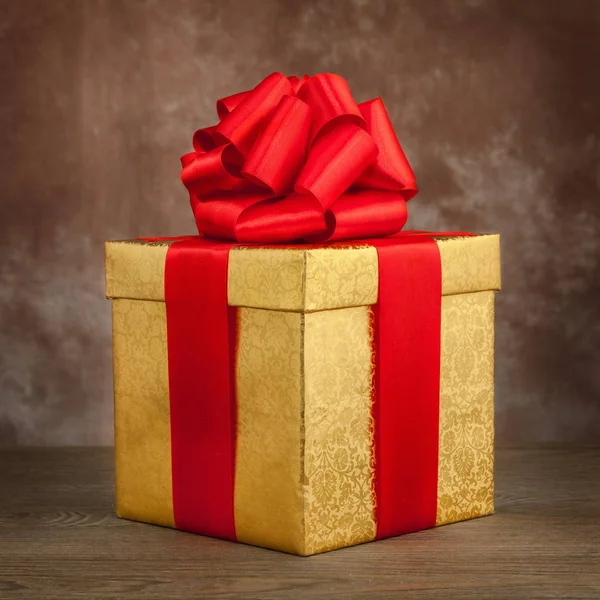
column 304, row 467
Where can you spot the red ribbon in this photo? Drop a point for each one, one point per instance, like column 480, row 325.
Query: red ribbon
column 201, row 355
column 298, row 159
column 407, row 379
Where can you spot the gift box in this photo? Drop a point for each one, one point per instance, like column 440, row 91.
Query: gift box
column 303, row 375
column 304, row 398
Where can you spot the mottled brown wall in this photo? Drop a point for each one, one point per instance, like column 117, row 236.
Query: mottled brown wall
column 496, row 102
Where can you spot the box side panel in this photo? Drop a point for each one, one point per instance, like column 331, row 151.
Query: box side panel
column 338, row 467
column 466, row 446
column 142, row 423
column 270, row 435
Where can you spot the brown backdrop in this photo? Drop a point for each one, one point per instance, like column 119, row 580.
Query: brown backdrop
column 497, row 103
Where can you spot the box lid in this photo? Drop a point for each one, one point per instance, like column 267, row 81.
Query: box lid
column 302, row 279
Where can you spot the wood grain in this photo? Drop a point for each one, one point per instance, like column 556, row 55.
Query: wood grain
column 60, row 539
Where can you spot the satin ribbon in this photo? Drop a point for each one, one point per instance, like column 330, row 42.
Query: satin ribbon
column 407, row 329
column 297, row 159
column 201, row 342
column 202, row 336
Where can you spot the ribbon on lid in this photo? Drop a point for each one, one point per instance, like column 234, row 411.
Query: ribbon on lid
column 297, row 159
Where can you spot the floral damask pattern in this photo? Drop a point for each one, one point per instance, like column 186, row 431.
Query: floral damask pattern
column 142, row 411
column 338, row 470
column 466, row 447
column 270, row 430
column 135, row 269
column 267, row 278
column 303, row 279
column 341, row 277
column 469, row 264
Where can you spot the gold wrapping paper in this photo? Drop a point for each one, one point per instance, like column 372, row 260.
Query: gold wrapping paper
column 142, row 413
column 304, row 376
column 269, row 507
column 338, row 469
column 466, row 445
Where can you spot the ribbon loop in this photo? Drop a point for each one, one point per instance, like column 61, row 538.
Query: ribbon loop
column 330, row 98
column 298, row 157
column 279, row 151
column 242, row 125
column 390, row 170
column 285, row 220
column 207, row 172
column 334, row 161
column 367, row 213
column 226, row 105
column 203, row 139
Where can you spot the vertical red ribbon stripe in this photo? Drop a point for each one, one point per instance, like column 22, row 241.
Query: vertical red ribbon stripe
column 406, row 409
column 201, row 351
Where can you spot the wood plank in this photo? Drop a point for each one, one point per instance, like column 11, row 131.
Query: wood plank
column 59, row 539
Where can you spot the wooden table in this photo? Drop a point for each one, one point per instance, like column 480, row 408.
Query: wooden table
column 60, row 539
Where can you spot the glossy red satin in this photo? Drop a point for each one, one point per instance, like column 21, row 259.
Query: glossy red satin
column 298, row 159
column 201, row 341
column 407, row 326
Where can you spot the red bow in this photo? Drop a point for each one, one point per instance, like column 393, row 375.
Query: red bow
column 298, row 159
